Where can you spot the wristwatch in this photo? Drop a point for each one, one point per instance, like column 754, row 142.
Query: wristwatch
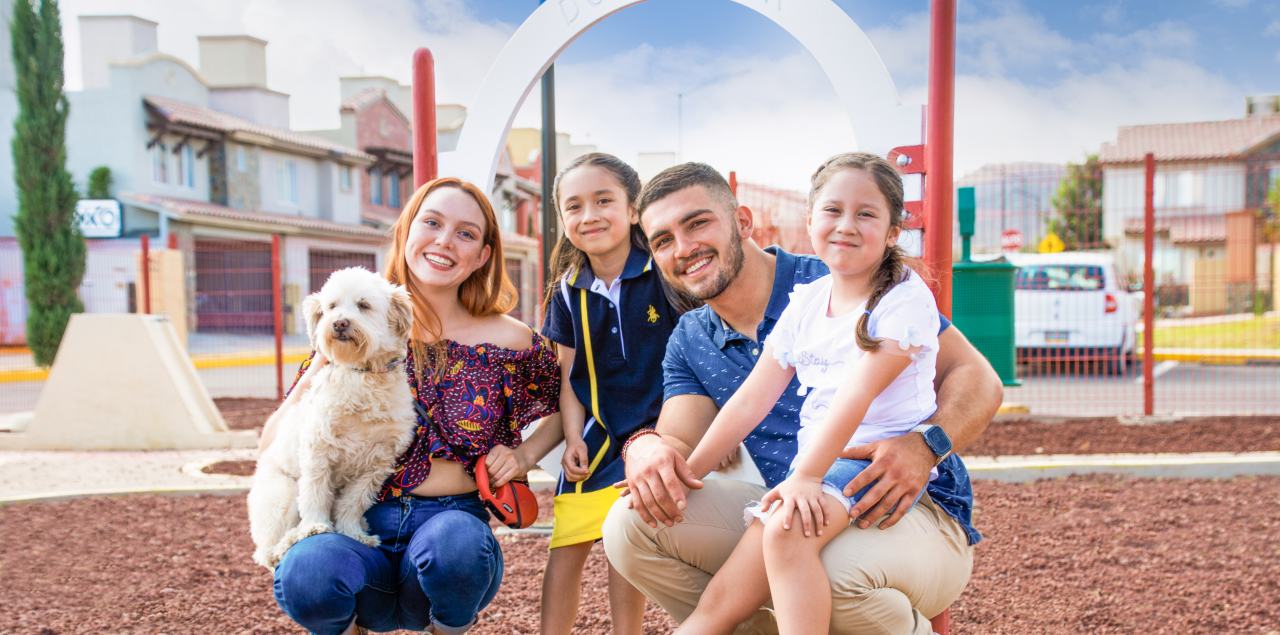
column 937, row 440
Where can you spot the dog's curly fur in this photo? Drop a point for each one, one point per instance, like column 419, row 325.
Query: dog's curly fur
column 334, row 448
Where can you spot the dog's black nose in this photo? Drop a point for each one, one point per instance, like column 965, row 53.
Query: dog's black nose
column 341, row 325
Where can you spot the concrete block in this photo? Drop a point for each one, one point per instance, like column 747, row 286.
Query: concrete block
column 124, row 382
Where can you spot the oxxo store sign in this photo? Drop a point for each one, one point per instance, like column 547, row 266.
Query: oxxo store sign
column 100, row 218
column 880, row 122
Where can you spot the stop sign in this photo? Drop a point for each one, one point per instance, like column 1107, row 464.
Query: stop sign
column 1011, row 240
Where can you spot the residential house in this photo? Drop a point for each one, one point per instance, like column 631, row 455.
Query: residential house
column 1210, row 189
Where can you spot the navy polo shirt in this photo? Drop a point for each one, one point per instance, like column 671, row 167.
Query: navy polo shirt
column 707, row 357
column 617, row 373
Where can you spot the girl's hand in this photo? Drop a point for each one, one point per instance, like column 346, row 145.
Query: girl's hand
column 576, row 461
column 801, row 494
column 504, row 464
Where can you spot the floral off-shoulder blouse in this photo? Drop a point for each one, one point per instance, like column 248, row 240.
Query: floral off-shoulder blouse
column 484, row 396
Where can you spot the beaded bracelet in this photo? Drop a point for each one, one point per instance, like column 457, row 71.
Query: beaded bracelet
column 637, row 435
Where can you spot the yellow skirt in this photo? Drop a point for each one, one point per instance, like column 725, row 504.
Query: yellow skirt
column 580, row 516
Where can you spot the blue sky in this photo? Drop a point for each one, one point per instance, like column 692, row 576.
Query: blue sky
column 1036, row 80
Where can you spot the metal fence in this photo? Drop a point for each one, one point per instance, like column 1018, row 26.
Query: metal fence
column 245, row 340
column 1077, row 235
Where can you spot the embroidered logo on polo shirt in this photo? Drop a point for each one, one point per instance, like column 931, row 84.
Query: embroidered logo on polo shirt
column 653, row 315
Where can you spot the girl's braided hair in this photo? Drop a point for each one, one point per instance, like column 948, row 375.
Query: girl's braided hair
column 893, row 266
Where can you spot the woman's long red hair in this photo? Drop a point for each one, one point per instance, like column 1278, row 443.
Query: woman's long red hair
column 487, row 291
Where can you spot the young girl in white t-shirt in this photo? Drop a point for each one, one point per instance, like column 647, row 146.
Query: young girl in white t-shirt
column 863, row 342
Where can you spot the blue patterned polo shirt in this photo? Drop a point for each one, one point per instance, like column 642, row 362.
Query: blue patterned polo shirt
column 706, row 357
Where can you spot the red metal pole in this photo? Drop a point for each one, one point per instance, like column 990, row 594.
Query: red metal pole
column 425, row 166
column 733, row 182
column 1149, row 290
column 277, row 314
column 146, row 275
column 939, row 147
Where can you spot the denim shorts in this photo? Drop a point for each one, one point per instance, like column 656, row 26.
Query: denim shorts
column 833, row 482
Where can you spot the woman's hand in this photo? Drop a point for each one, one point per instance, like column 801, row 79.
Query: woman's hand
column 576, row 461
column 801, row 494
column 317, row 363
column 503, row 464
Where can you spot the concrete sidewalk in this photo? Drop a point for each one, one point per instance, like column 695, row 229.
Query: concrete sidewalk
column 49, row 476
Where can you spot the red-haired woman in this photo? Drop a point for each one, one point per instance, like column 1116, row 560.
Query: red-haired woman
column 482, row 376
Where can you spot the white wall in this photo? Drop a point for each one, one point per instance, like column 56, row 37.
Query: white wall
column 8, row 113
column 308, row 203
column 266, row 107
column 1218, row 188
column 109, row 127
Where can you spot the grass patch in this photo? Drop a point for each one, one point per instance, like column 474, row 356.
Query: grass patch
column 1255, row 333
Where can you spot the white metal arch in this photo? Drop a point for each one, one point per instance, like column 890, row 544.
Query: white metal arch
column 844, row 52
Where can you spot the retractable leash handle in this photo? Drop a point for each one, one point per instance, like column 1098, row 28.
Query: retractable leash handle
column 513, row 504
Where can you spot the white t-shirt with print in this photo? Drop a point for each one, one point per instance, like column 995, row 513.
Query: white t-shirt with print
column 823, row 349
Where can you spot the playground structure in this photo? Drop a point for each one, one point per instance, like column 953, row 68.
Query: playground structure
column 880, row 122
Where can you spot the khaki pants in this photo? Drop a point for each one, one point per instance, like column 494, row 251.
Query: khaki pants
column 882, row 581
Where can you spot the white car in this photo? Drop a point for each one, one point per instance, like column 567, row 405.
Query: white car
column 1073, row 306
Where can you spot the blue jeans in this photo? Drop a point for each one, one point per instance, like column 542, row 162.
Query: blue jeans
column 438, row 565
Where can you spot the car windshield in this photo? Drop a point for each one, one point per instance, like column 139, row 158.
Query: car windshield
column 1059, row 278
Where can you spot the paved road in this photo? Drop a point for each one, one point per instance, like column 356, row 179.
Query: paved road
column 1180, row 388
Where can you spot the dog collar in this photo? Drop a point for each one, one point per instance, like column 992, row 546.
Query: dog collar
column 381, row 369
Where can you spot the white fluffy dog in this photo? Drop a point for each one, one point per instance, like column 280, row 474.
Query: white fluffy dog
column 334, row 448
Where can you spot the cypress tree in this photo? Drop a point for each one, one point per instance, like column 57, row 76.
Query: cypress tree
column 53, row 249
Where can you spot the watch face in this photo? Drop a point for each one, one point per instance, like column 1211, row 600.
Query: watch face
column 938, row 440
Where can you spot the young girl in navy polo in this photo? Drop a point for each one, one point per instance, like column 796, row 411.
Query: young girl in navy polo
column 863, row 341
column 608, row 312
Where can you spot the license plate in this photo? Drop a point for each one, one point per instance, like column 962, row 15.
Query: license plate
column 1055, row 337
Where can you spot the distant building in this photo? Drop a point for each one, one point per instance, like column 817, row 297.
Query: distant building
column 1210, row 185
column 1011, row 196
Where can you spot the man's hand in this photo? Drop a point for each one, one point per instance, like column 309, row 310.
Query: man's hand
column 658, row 480
column 901, row 466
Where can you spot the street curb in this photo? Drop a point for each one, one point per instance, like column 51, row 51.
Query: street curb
column 1020, row 469
column 201, row 362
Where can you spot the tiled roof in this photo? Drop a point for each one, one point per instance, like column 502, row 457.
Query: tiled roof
column 1191, row 141
column 1190, row 228
column 200, row 117
column 361, row 99
column 184, row 207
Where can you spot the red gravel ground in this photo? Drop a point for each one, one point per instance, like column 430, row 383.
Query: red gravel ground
column 1108, row 436
column 1088, row 554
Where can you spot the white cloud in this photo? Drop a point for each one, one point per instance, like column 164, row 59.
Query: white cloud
column 1232, row 4
column 771, row 120
column 1000, row 119
column 1273, row 29
column 1025, row 91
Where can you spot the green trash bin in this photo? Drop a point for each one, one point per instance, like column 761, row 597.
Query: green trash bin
column 982, row 300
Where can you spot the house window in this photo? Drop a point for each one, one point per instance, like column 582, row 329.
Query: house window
column 159, row 163
column 241, row 165
column 1179, row 189
column 346, row 178
column 185, row 162
column 287, row 182
column 375, row 186
column 393, row 189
